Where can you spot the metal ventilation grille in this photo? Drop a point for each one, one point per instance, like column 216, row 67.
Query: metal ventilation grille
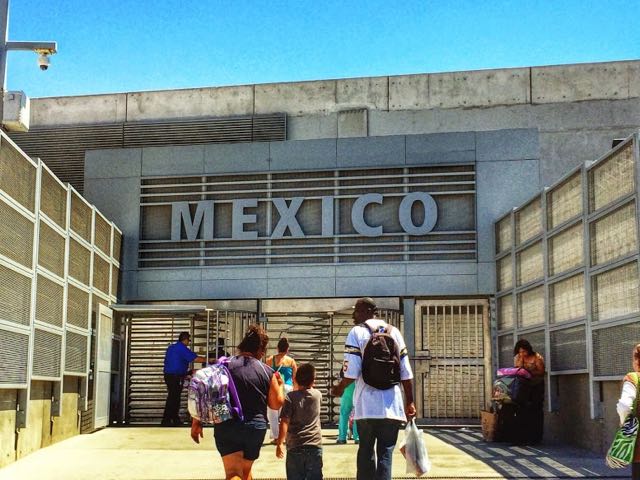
column 505, row 312
column 615, row 292
column 567, row 300
column 117, row 245
column 528, row 222
column 101, row 274
column 208, row 130
column 103, row 235
column 17, row 176
column 75, row 360
column 453, row 187
column 530, row 264
column 16, row 236
column 612, row 348
column 53, row 199
column 441, row 391
column 565, row 201
column 14, row 350
column 566, row 250
column 15, row 296
column 47, row 354
column 612, row 178
column 81, row 217
column 79, row 262
column 63, row 148
column 505, row 350
column 505, row 273
column 531, row 307
column 536, row 339
column 115, row 280
column 51, row 250
column 503, row 235
column 49, row 301
column 568, row 349
column 77, row 307
column 614, row 235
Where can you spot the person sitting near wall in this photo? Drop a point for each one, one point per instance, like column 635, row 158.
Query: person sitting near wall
column 531, row 412
column 176, row 367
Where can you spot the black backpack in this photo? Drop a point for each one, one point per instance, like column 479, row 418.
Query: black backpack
column 381, row 359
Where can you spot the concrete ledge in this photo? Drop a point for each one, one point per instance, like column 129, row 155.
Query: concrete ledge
column 46, row 112
column 196, row 102
column 572, row 83
column 296, row 98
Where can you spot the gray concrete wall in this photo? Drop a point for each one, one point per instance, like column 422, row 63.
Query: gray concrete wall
column 42, row 429
column 508, row 173
column 571, row 423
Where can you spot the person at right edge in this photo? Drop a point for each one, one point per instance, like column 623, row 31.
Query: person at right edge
column 379, row 414
column 625, row 403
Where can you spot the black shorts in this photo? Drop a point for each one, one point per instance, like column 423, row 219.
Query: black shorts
column 232, row 437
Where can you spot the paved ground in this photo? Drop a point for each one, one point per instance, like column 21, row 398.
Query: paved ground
column 169, row 454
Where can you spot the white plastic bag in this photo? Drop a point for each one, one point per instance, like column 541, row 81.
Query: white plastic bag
column 415, row 451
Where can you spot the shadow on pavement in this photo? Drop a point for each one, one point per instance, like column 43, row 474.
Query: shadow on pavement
column 522, row 461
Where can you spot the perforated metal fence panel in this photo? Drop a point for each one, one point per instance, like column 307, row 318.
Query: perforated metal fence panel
column 16, row 236
column 565, row 201
column 47, row 354
column 14, row 348
column 505, row 350
column 614, row 235
column 79, row 262
column 612, row 347
column 17, row 175
column 76, row 353
column 81, row 217
column 566, row 250
column 49, row 301
column 568, row 349
column 612, row 179
column 103, row 235
column 53, row 199
column 101, row 272
column 77, row 307
column 51, row 253
column 15, row 296
column 566, row 299
column 528, row 222
column 615, row 292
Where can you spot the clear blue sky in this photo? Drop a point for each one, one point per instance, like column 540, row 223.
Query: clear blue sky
column 108, row 46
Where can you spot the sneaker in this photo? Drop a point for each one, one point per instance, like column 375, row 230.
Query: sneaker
column 357, row 442
column 341, row 442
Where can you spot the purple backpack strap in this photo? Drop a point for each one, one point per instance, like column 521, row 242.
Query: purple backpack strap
column 236, row 406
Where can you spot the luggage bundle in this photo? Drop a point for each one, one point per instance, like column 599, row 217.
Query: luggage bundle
column 512, row 385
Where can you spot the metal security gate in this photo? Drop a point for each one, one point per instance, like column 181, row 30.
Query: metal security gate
column 102, row 375
column 319, row 338
column 148, row 336
column 452, row 360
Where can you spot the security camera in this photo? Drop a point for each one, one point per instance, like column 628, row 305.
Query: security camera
column 43, row 61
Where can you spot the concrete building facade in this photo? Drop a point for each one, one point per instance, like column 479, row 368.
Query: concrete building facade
column 289, row 200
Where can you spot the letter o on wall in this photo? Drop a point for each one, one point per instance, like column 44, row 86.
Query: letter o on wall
column 430, row 213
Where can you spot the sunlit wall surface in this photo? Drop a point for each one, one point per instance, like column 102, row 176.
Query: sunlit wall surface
column 567, row 271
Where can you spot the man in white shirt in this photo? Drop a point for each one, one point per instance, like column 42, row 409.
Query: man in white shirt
column 379, row 413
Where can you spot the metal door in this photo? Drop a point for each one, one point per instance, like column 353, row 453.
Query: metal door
column 102, row 373
column 147, row 341
column 452, row 362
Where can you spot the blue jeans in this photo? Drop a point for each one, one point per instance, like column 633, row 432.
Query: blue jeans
column 304, row 463
column 381, row 434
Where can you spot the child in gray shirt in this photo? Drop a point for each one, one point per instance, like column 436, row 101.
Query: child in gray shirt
column 300, row 425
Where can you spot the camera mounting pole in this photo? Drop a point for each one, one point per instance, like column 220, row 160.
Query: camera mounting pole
column 42, row 48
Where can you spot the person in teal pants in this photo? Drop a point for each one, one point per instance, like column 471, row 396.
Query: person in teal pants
column 346, row 406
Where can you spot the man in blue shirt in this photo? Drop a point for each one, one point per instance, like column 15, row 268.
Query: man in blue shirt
column 176, row 367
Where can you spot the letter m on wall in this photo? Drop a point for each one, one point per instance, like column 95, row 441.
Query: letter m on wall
column 202, row 220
